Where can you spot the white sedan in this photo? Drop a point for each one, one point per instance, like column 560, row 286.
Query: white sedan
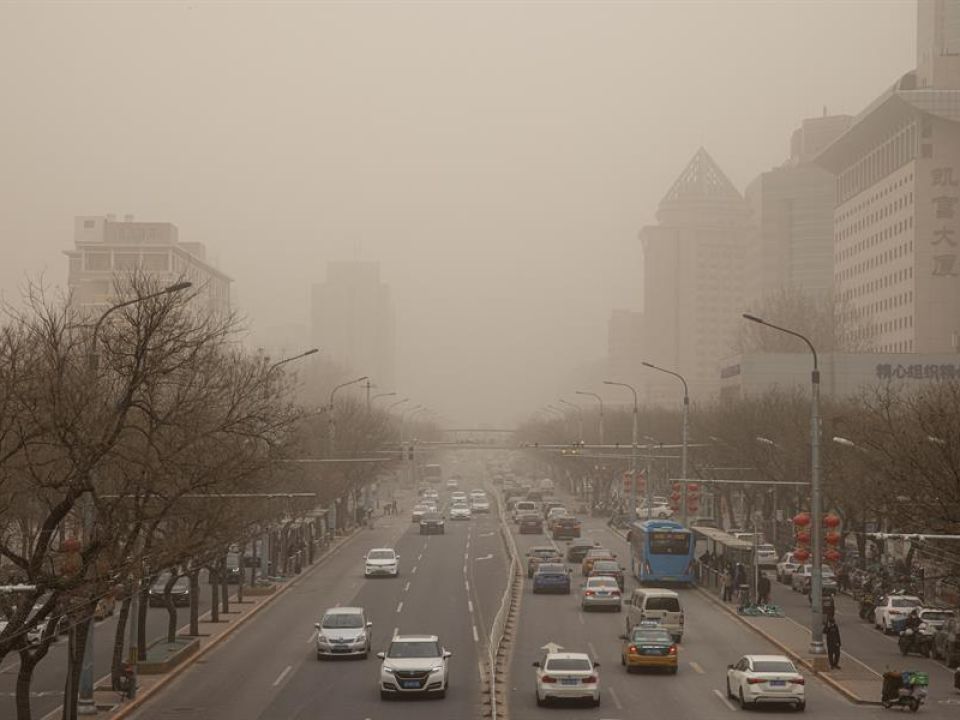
column 893, row 609
column 381, row 561
column 787, row 566
column 567, row 676
column 757, row 679
column 460, row 511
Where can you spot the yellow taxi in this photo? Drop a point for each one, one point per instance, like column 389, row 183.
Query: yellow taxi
column 592, row 556
column 648, row 645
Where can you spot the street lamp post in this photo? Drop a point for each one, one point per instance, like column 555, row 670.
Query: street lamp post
column 685, row 421
column 331, row 421
column 311, row 351
column 816, row 575
column 86, row 704
column 599, row 400
column 579, row 419
column 392, row 405
column 633, row 456
column 380, row 395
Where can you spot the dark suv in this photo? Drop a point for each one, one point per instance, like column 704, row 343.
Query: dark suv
column 946, row 643
column 431, row 523
column 566, row 528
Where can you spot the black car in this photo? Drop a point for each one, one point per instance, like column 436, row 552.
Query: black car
column 180, row 592
column 946, row 642
column 566, row 528
column 431, row 523
column 530, row 523
column 577, row 551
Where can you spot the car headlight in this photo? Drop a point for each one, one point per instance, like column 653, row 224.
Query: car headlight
column 436, row 668
column 388, row 669
column 321, row 638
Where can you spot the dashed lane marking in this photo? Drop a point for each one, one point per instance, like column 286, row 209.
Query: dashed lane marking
column 466, row 585
column 724, row 700
column 616, row 700
column 282, row 675
column 592, row 649
column 420, row 556
column 580, row 617
column 485, row 557
column 400, row 606
column 414, row 571
column 470, row 606
column 396, row 631
column 476, row 637
column 696, row 667
column 407, row 586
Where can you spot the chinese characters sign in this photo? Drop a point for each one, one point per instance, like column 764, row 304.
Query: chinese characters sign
column 947, row 371
column 944, row 240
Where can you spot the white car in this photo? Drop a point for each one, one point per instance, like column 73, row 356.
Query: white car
column 451, row 483
column 460, row 511
column 660, row 509
column 766, row 555
column 567, row 676
column 419, row 510
column 480, row 505
column 458, row 497
column 343, row 631
column 414, row 665
column 894, row 608
column 760, row 679
column 787, row 566
column 431, row 494
column 381, row 561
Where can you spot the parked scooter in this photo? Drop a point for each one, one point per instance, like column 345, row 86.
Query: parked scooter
column 919, row 642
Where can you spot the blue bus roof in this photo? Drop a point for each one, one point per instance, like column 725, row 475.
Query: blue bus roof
column 648, row 525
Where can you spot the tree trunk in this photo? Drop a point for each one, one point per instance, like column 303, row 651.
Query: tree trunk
column 75, row 647
column 171, row 608
column 144, row 591
column 116, row 663
column 28, row 662
column 194, row 576
column 214, row 591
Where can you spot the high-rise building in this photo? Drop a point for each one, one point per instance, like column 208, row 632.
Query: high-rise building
column 792, row 209
column 625, row 345
column 105, row 248
column 693, row 279
column 352, row 319
column 897, row 213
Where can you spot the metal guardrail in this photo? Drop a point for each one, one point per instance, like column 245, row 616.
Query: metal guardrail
column 508, row 606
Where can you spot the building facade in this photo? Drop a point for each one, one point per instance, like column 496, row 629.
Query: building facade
column 694, row 275
column 792, row 209
column 897, row 187
column 105, row 248
column 625, row 345
column 352, row 320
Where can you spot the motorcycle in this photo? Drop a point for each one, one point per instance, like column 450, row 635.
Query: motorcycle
column 919, row 642
column 904, row 689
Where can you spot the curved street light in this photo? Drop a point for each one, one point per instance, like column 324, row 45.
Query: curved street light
column 331, row 420
column 311, row 351
column 685, row 422
column 633, row 461
column 579, row 418
column 599, row 400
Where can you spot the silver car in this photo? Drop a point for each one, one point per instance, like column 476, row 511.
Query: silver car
column 342, row 632
column 601, row 592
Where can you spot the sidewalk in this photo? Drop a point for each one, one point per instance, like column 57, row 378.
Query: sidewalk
column 856, row 680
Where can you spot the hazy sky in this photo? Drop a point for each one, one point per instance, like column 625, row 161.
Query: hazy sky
column 498, row 158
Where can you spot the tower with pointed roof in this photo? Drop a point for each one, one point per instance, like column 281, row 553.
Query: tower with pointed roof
column 693, row 278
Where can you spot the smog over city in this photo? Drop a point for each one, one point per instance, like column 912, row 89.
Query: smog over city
column 497, row 160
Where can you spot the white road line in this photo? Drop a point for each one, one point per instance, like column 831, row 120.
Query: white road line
column 396, row 631
column 476, row 637
column 724, row 700
column 407, row 586
column 400, row 606
column 580, row 617
column 470, row 606
column 464, row 569
column 420, row 556
column 414, row 571
column 593, row 650
column 466, row 556
column 312, row 636
column 282, row 675
column 466, row 585
column 616, row 700
column 696, row 667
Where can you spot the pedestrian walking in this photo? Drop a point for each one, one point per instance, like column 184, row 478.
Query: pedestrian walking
column 763, row 590
column 728, row 584
column 832, row 633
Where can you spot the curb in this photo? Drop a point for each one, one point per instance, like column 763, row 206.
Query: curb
column 167, row 678
column 789, row 652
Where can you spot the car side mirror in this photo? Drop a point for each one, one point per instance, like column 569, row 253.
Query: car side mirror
column 381, row 655
column 369, row 623
column 446, row 654
column 317, row 625
column 729, row 667
column 596, row 664
column 623, row 637
column 536, row 663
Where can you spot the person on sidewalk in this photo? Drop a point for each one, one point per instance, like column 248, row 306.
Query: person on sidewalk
column 832, row 633
column 763, row 590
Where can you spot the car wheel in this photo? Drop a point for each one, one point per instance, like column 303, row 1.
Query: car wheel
column 319, row 655
column 674, row 670
column 953, row 661
column 540, row 701
column 365, row 654
column 729, row 694
column 384, row 695
column 743, row 703
column 801, row 706
column 442, row 694
column 596, row 701
column 620, row 608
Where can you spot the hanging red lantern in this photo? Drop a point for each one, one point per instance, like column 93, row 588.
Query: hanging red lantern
column 675, row 496
column 832, row 555
column 70, row 545
column 831, row 521
column 801, row 519
column 803, row 537
column 832, row 538
column 692, row 505
column 801, row 555
column 71, row 564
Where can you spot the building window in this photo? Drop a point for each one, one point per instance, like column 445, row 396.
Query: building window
column 126, row 261
column 156, row 262
column 89, row 224
column 97, row 260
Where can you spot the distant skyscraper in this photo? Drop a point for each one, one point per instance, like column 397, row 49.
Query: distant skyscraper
column 897, row 214
column 105, row 248
column 792, row 209
column 693, row 285
column 353, row 321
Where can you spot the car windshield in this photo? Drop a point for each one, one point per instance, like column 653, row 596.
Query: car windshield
column 380, row 555
column 569, row 664
column 605, row 565
column 551, row 569
column 598, row 553
column 421, row 508
column 668, row 604
column 460, row 506
column 602, row 582
column 766, row 548
column 936, row 615
column 342, row 620
column 650, row 636
column 904, row 602
column 414, row 649
column 773, row 666
column 431, row 517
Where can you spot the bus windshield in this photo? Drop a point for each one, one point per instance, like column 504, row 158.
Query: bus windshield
column 665, row 542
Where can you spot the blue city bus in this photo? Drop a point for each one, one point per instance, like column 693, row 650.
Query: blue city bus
column 662, row 551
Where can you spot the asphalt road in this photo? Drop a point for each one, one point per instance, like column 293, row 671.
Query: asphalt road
column 449, row 585
column 50, row 674
column 711, row 641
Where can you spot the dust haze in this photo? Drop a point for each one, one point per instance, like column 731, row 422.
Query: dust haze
column 497, row 159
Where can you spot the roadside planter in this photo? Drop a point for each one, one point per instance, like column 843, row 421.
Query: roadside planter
column 163, row 656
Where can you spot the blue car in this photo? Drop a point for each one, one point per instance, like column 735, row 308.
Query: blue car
column 551, row 578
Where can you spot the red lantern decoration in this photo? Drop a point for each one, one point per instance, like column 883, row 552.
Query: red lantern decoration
column 803, row 537
column 831, row 555
column 675, row 496
column 831, row 521
column 692, row 505
column 801, row 519
column 832, row 538
column 70, row 545
column 801, row 555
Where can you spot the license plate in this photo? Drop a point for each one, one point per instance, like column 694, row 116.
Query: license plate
column 602, row 593
column 778, row 683
column 411, row 684
column 569, row 681
column 651, row 651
